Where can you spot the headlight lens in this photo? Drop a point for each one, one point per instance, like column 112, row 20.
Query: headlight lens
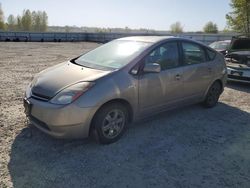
column 31, row 84
column 71, row 93
column 28, row 91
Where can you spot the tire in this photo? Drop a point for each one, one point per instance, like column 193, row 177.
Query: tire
column 109, row 123
column 213, row 95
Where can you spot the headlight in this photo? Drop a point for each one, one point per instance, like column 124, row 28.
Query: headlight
column 71, row 93
column 28, row 91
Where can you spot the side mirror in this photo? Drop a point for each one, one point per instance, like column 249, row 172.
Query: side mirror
column 152, row 68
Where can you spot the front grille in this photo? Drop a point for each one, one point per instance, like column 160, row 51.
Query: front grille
column 39, row 123
column 40, row 97
column 239, row 78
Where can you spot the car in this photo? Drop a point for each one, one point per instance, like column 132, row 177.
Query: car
column 238, row 59
column 99, row 93
column 221, row 46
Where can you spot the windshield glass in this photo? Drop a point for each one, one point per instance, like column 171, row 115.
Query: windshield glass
column 243, row 44
column 220, row 45
column 112, row 55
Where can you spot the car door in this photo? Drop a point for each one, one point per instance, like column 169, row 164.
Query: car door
column 197, row 70
column 157, row 90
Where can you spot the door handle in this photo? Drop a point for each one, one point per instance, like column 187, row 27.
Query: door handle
column 210, row 70
column 178, row 76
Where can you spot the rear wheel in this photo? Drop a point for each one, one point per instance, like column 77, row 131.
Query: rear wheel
column 213, row 95
column 110, row 123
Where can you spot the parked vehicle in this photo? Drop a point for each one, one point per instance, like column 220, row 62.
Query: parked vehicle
column 221, row 46
column 238, row 59
column 122, row 81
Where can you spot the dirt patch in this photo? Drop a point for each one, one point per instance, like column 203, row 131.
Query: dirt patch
column 189, row 147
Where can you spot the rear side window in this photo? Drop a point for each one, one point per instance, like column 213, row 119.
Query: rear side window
column 193, row 53
column 211, row 55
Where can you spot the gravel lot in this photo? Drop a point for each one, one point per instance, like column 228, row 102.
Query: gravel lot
column 188, row 147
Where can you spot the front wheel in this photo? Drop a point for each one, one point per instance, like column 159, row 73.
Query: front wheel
column 213, row 95
column 109, row 123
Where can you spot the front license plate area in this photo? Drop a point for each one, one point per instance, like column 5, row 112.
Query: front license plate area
column 236, row 73
column 27, row 106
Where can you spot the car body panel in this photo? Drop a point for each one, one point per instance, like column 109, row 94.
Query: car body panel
column 196, row 78
column 156, row 90
column 56, row 120
column 63, row 75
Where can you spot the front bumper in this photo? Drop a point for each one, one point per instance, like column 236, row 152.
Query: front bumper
column 238, row 74
column 59, row 121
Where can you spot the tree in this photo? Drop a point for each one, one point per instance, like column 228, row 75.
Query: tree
column 19, row 23
column 239, row 18
column 44, row 21
column 2, row 25
column 210, row 27
column 176, row 28
column 67, row 29
column 26, row 20
column 127, row 29
column 11, row 22
column 36, row 20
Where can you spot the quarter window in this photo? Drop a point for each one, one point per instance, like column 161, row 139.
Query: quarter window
column 193, row 53
column 166, row 55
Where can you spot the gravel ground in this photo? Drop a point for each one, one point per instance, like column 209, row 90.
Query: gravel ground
column 188, row 147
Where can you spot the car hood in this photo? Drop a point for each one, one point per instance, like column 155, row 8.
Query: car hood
column 52, row 80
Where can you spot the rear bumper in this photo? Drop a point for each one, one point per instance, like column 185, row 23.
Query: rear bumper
column 68, row 121
column 238, row 75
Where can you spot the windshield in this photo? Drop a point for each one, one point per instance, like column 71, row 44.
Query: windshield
column 220, row 45
column 112, row 55
column 243, row 44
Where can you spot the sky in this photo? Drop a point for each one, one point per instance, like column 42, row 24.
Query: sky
column 150, row 14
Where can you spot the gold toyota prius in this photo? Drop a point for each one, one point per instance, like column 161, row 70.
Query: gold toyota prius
column 122, row 81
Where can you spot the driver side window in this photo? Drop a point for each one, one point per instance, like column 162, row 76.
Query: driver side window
column 165, row 55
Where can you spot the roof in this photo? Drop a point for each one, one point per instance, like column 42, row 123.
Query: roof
column 151, row 39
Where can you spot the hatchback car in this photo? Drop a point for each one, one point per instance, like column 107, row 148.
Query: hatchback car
column 221, row 46
column 124, row 80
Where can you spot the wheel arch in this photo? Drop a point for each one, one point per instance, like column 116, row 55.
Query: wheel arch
column 120, row 101
column 216, row 80
column 220, row 82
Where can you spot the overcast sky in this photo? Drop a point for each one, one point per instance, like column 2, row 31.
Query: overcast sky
column 151, row 14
